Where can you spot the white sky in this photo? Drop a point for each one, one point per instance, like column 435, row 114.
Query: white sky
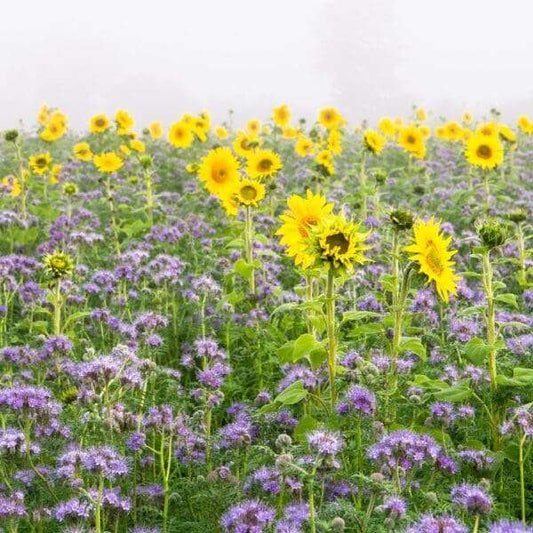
column 160, row 58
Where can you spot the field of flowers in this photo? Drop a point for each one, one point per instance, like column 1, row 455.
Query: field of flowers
column 271, row 327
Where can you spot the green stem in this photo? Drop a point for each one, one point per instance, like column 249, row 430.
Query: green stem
column 476, row 524
column 522, row 479
column 521, row 255
column 249, row 245
column 98, row 518
column 330, row 328
column 112, row 214
column 490, row 317
column 57, row 307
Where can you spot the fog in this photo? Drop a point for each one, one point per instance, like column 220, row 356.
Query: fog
column 159, row 58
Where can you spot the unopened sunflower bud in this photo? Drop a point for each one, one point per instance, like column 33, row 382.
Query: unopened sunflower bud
column 402, row 219
column 70, row 189
column 431, row 497
column 145, row 161
column 492, row 233
column 517, row 216
column 59, row 264
column 11, row 135
column 380, row 176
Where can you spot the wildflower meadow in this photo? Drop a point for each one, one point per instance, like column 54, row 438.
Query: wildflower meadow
column 279, row 326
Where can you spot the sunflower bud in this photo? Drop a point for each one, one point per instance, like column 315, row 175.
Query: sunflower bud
column 59, row 264
column 492, row 233
column 11, row 135
column 145, row 161
column 517, row 216
column 402, row 219
column 70, row 189
column 380, row 176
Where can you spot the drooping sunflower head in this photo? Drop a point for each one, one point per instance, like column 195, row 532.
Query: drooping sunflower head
column 374, row 142
column 430, row 250
column 337, row 243
column 506, row 133
column 484, row 151
column 249, row 192
column 99, row 123
column 108, row 162
column 219, row 170
column 263, row 164
column 58, row 264
column 302, row 215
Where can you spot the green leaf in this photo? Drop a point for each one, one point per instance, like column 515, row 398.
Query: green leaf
column 424, row 382
column 74, row 317
column 522, row 377
column 303, row 345
column 412, row 344
column 304, row 426
column 476, row 351
column 350, row 316
column 507, row 299
column 285, row 353
column 456, row 393
column 243, row 268
column 317, row 357
column 293, row 394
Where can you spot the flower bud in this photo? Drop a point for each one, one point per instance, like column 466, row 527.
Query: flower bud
column 59, row 264
column 517, row 216
column 402, row 219
column 492, row 233
column 145, row 161
column 337, row 525
column 283, row 441
column 11, row 135
column 283, row 460
column 70, row 189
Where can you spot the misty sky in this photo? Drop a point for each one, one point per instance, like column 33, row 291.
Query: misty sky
column 160, row 58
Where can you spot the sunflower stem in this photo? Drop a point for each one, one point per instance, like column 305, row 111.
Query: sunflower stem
column 249, row 245
column 330, row 326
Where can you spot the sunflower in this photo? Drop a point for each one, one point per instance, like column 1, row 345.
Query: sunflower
column 281, row 115
column 263, row 164
column 290, row 133
column 302, row 214
column 12, row 185
column 525, row 124
column 467, row 118
column 221, row 132
column 304, row 147
column 387, row 127
column 337, row 243
column 334, row 142
column 40, row 163
column 330, row 118
column 373, row 141
column 155, row 129
column 249, row 192
column 55, row 171
column 43, row 115
column 421, row 114
column 484, row 151
column 124, row 122
column 245, row 144
column 425, row 131
column 99, row 123
column 138, row 146
column 219, row 170
column 253, row 126
column 200, row 126
column 180, row 135
column 506, row 133
column 431, row 251
column 82, row 151
column 489, row 129
column 58, row 264
column 108, row 162
column 55, row 128
column 324, row 160
column 412, row 141
column 453, row 131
